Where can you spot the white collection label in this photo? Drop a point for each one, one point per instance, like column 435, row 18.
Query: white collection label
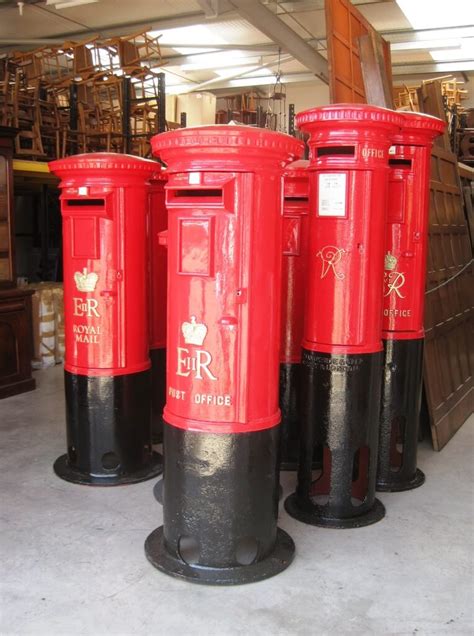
column 332, row 194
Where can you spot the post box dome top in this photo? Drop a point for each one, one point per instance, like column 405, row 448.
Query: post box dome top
column 297, row 169
column 419, row 127
column 348, row 114
column 231, row 144
column 98, row 163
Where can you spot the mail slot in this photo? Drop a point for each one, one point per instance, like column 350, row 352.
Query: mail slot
column 158, row 222
column 295, row 244
column 104, row 201
column 221, row 418
column 404, row 301
column 342, row 345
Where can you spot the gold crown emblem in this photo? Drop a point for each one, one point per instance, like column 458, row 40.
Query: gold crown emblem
column 86, row 282
column 194, row 332
column 390, row 261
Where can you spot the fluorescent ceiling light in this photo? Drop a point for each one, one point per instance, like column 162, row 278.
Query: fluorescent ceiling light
column 431, row 14
column 236, row 70
column 463, row 52
column 426, row 45
column 66, row 4
column 222, row 59
column 197, row 34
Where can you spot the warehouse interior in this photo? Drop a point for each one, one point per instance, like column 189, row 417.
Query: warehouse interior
column 106, row 79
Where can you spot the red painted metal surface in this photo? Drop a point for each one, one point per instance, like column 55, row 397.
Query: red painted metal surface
column 104, row 208
column 224, row 199
column 349, row 147
column 407, row 226
column 295, row 242
column 158, row 261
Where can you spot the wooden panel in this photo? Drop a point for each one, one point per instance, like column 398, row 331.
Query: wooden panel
column 344, row 26
column 378, row 86
column 449, row 358
column 430, row 101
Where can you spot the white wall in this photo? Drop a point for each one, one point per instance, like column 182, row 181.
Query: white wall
column 307, row 95
column 200, row 108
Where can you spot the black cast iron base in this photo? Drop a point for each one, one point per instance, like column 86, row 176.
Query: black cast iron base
column 417, row 481
column 220, row 508
column 160, row 484
column 400, row 416
column 290, row 405
column 317, row 517
column 158, row 491
column 63, row 469
column 291, row 413
column 277, row 561
column 158, row 392
column 108, row 430
column 340, row 420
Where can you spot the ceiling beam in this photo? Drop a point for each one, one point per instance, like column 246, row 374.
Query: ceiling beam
column 150, row 24
column 270, row 25
column 213, row 8
column 415, row 35
column 258, row 80
column 432, row 67
column 218, row 80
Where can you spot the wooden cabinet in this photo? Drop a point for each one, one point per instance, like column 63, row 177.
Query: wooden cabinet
column 15, row 304
column 15, row 342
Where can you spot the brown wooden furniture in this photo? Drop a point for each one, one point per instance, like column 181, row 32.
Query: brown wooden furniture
column 15, row 304
column 15, row 342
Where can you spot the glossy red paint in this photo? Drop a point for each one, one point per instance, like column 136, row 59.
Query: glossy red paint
column 407, row 226
column 295, row 259
column 224, row 199
column 104, row 203
column 349, row 147
column 158, row 222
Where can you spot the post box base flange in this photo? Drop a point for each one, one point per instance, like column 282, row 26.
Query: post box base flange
column 314, row 516
column 277, row 561
column 400, row 416
column 417, row 481
column 158, row 392
column 65, row 471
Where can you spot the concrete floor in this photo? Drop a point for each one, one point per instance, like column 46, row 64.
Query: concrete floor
column 72, row 557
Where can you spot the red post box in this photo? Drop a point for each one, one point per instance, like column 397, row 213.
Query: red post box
column 342, row 347
column 107, row 366
column 295, row 243
column 221, row 434
column 158, row 222
column 404, row 300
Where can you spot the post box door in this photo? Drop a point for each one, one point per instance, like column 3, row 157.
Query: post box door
column 158, row 222
column 92, row 276
column 206, row 321
column 294, row 276
column 405, row 258
column 346, row 256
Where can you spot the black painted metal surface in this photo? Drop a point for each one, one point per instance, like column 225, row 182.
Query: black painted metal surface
column 291, row 413
column 220, row 508
column 158, row 392
column 340, row 417
column 400, row 416
column 290, row 402
column 108, row 423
